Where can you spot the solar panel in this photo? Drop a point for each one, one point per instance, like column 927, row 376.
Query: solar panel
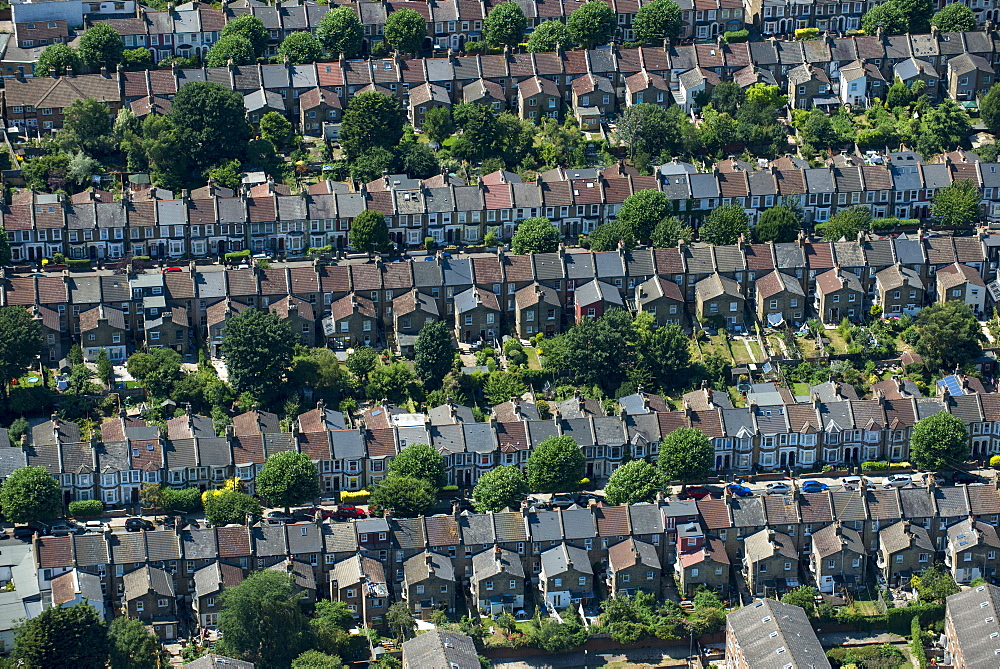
column 952, row 384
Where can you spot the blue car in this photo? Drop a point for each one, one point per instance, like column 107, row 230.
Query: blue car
column 813, row 486
column 739, row 490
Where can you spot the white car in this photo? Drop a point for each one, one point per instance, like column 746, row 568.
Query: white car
column 854, row 482
column 778, row 488
column 897, row 481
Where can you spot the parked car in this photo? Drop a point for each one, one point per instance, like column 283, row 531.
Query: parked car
column 698, row 492
column 138, row 525
column 278, row 518
column 310, row 514
column 897, row 481
column 854, row 482
column 813, row 486
column 966, row 477
column 63, row 529
column 739, row 490
column 25, row 532
column 562, row 501
column 349, row 511
column 778, row 488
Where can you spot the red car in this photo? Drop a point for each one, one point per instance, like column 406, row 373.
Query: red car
column 697, row 493
column 349, row 511
column 325, row 514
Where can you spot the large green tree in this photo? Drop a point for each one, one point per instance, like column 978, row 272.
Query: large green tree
column 234, row 48
column 20, row 343
column 940, row 441
column 405, row 29
column 223, row 507
column 668, row 232
column 394, row 382
column 433, row 353
column 596, row 351
column 941, row 128
column 100, row 46
column 847, row 223
column 949, row 335
column 340, row 32
column 30, row 494
column 251, row 28
column 556, row 465
column 438, row 124
column 86, row 127
column 300, row 48
column 954, row 17
column 400, row 620
column 159, row 370
column 686, row 454
column 956, row 205
column 369, row 232
column 535, row 235
column 505, row 25
column 635, row 481
column 372, row 120
column 548, row 36
column 591, row 24
column 62, row 637
column 777, row 224
column 989, row 109
column 314, row 659
column 288, row 478
column 257, row 347
column 499, row 488
column 421, row 462
column 261, row 621
column 133, row 646
column 212, row 121
column 663, row 352
column 643, row 210
column 935, row 584
column 275, row 128
column 406, row 496
column 656, row 20
column 725, row 225
column 55, row 58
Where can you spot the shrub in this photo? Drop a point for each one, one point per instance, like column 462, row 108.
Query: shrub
column 807, row 33
column 238, row 255
column 86, row 507
column 995, row 461
column 736, row 36
column 81, row 263
column 874, row 466
column 450, row 488
column 58, row 258
column 359, row 497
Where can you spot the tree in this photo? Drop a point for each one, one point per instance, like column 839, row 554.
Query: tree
column 101, row 46
column 418, row 160
column 500, row 386
column 949, row 335
column 138, row 58
column 438, row 125
column 81, row 168
column 634, row 482
column 847, row 223
column 956, row 205
column 62, row 637
column 657, row 20
column 499, row 488
column 300, row 48
column 642, row 210
column 86, row 127
column 223, row 507
column 261, row 621
column 406, row 496
column 668, row 232
column 251, row 28
column 20, row 342
column 55, row 58
column 369, row 232
column 535, row 235
column 313, row 659
column 548, row 36
column 211, row 120
column 989, row 109
column 228, row 175
column 340, row 32
column 934, row 583
column 556, row 465
column 288, row 478
column 234, row 48
column 104, row 368
column 777, row 224
column 940, row 441
column 505, row 25
column 725, row 225
column 954, row 17
column 405, row 29
column 5, row 254
column 394, row 383
column 803, row 596
column 664, row 352
column 372, row 120
column 157, row 370
column 275, row 128
column 818, row 130
column 433, row 353
column 257, row 347
column 727, row 98
column 30, row 494
column 918, row 14
column 320, row 371
column 686, row 454
column 421, row 462
column 133, row 646
column 886, row 16
column 362, row 361
column 768, row 95
column 594, row 351
column 941, row 128
column 591, row 24
column 400, row 620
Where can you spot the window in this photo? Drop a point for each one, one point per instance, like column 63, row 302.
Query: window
column 162, row 603
column 140, row 606
column 582, row 581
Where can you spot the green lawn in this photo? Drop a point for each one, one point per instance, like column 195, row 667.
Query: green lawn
column 837, row 342
column 758, row 354
column 800, row 389
column 533, row 361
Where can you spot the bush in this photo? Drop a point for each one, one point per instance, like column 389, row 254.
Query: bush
column 359, row 497
column 736, row 36
column 807, row 33
column 81, row 263
column 874, row 466
column 995, row 461
column 86, row 507
column 450, row 488
column 238, row 255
